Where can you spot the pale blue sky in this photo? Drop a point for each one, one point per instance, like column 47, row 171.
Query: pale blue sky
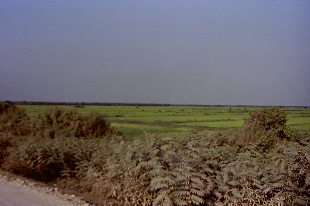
column 238, row 52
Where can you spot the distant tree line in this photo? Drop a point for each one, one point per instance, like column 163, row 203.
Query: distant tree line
column 83, row 104
column 78, row 104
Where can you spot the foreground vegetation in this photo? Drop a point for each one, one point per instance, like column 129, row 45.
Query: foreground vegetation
column 267, row 163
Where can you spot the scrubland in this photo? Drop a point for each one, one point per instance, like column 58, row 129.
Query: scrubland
column 267, row 162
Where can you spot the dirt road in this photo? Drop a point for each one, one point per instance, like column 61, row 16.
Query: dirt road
column 16, row 192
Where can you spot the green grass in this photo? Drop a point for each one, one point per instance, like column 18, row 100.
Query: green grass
column 132, row 121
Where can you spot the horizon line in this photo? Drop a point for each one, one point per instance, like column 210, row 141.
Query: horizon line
column 137, row 104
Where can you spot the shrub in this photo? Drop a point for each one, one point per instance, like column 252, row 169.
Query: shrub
column 40, row 161
column 229, row 137
column 55, row 122
column 92, row 125
column 269, row 122
column 194, row 170
column 48, row 160
column 13, row 120
column 5, row 145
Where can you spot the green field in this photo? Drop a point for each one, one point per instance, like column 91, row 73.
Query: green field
column 133, row 121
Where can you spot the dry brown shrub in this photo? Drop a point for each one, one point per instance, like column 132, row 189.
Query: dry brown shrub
column 5, row 145
column 189, row 170
column 55, row 122
column 92, row 126
column 13, row 120
column 231, row 137
column 44, row 160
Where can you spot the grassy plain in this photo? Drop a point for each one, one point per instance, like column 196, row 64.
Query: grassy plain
column 133, row 121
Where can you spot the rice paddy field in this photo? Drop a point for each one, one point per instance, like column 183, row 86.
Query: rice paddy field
column 134, row 121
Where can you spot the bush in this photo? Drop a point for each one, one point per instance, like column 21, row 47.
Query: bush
column 189, row 170
column 5, row 145
column 42, row 162
column 92, row 125
column 48, row 160
column 194, row 170
column 13, row 120
column 55, row 122
column 269, row 122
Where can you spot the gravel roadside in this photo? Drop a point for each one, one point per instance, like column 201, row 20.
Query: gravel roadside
column 17, row 192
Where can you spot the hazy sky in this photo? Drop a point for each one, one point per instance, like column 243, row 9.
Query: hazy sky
column 245, row 52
